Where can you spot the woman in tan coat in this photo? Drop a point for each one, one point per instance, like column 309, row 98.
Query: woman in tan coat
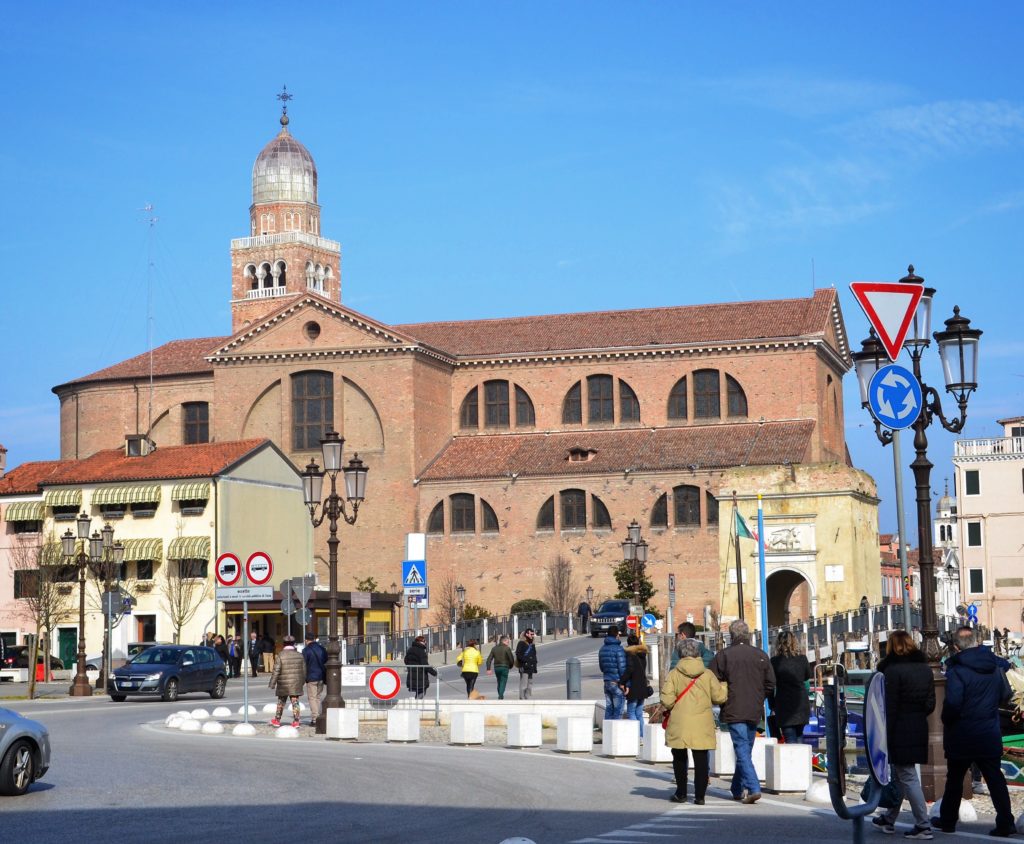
column 691, row 724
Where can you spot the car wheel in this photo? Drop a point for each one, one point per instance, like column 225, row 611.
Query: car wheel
column 170, row 690
column 18, row 769
column 119, row 698
column 217, row 692
column 594, row 634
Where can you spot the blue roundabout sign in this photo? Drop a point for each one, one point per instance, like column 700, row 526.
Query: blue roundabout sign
column 894, row 396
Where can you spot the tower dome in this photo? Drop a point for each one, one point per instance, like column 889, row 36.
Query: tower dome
column 284, row 171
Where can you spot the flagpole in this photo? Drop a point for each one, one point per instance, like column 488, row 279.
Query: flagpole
column 739, row 564
column 762, row 574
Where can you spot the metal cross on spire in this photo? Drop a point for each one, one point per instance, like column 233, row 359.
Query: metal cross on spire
column 284, row 96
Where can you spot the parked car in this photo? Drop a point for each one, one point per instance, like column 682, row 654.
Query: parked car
column 17, row 657
column 167, row 671
column 93, row 663
column 609, row 615
column 24, row 752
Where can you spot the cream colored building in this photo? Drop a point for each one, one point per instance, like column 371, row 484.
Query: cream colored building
column 990, row 519
column 174, row 510
column 820, row 535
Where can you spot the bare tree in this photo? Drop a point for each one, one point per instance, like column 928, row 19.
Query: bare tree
column 103, row 575
column 46, row 600
column 445, row 599
column 561, row 589
column 182, row 590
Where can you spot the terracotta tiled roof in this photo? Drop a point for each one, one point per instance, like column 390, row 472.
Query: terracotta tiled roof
column 174, row 462
column 26, row 478
column 179, row 357
column 688, row 325
column 642, row 449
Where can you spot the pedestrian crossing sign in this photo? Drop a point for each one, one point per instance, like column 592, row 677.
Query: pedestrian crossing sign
column 414, row 573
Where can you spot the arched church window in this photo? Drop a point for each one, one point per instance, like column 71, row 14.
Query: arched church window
column 280, row 273
column 572, row 408
column 677, row 400
column 435, row 524
column 712, row 505
column 659, row 513
column 687, row 502
column 629, row 405
column 524, row 408
column 496, row 404
column 737, row 398
column 312, row 409
column 469, row 415
column 546, row 515
column 707, row 394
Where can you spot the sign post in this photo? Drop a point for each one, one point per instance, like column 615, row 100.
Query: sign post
column 671, row 603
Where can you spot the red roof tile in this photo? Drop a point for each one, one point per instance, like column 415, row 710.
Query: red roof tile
column 26, row 478
column 642, row 449
column 171, row 463
column 179, row 357
column 687, row 325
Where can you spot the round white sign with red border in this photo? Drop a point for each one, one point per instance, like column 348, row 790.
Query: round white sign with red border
column 259, row 568
column 229, row 569
column 385, row 683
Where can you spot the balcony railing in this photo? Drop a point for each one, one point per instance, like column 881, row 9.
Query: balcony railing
column 286, row 237
column 267, row 292
column 989, row 447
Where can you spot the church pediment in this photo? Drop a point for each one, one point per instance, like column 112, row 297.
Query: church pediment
column 311, row 325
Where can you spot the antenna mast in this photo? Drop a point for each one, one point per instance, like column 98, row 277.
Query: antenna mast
column 151, row 220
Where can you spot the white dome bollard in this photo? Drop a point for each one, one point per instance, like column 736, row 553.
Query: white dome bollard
column 270, row 708
column 190, row 725
column 212, row 728
column 242, row 709
column 174, row 722
column 184, row 713
column 221, row 712
column 818, row 793
column 200, row 714
column 967, row 811
column 286, row 732
column 244, row 730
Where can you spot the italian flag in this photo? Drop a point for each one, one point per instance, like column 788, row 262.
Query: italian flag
column 742, row 531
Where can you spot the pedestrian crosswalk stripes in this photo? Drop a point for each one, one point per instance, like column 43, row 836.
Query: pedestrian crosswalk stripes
column 660, row 827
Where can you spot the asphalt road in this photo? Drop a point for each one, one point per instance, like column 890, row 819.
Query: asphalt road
column 118, row 774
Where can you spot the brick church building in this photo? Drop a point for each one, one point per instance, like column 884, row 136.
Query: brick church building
column 515, row 442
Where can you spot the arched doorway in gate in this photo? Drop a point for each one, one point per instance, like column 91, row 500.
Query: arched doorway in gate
column 790, row 597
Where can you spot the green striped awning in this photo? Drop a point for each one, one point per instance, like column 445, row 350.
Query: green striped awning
column 189, row 548
column 143, row 549
column 191, row 492
column 147, row 494
column 62, row 497
column 25, row 511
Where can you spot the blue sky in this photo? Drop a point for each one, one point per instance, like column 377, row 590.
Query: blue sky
column 482, row 160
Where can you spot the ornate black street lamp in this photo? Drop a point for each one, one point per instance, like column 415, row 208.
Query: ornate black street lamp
column 100, row 554
column 634, row 552
column 958, row 353
column 334, row 510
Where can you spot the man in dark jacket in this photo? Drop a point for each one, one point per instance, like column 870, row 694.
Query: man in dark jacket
column 417, row 676
column 526, row 661
column 255, row 648
column 315, row 658
column 751, row 679
column 975, row 687
column 611, row 659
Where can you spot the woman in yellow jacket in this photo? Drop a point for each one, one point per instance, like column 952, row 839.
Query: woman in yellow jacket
column 689, row 691
column 470, row 660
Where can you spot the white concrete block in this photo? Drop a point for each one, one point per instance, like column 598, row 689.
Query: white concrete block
column 190, row 725
column 723, row 759
column 654, row 748
column 620, row 738
column 575, row 735
column 761, row 744
column 525, row 730
column 467, row 728
column 787, row 767
column 200, row 714
column 404, row 725
column 244, row 730
column 221, row 712
column 343, row 723
column 286, row 732
column 212, row 728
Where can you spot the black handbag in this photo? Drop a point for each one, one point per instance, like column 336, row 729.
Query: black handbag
column 892, row 795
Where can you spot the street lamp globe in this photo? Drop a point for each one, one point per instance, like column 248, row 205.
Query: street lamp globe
column 108, row 537
column 590, row 594
column 331, row 446
column 641, row 551
column 312, row 484
column 634, row 531
column 95, row 546
column 867, row 362
column 118, row 552
column 958, row 348
column 461, row 592
column 68, row 543
column 83, row 522
column 355, row 480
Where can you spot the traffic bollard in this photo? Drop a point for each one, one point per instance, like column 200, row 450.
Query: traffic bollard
column 573, row 679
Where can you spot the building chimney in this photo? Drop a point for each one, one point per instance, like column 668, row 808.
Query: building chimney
column 138, row 445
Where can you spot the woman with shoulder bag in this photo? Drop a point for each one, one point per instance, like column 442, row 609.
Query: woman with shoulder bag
column 688, row 693
column 470, row 661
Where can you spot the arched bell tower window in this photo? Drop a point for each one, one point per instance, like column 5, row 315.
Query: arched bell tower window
column 280, row 274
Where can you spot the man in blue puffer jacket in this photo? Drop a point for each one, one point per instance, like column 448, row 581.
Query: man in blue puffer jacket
column 975, row 687
column 611, row 659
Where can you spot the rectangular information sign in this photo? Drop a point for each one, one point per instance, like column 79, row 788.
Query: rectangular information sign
column 245, row 593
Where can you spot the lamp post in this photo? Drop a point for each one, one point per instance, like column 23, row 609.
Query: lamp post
column 958, row 353
column 333, row 509
column 460, row 592
column 590, row 595
column 113, row 556
column 634, row 552
column 94, row 549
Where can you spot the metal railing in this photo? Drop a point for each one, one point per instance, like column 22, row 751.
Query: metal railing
column 988, row 446
column 285, row 237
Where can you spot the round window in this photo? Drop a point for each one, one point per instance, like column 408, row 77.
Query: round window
column 312, row 330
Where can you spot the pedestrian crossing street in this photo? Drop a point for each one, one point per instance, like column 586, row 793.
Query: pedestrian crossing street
column 667, row 825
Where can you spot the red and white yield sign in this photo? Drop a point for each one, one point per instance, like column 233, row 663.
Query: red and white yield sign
column 385, row 683
column 890, row 307
column 229, row 569
column 258, row 568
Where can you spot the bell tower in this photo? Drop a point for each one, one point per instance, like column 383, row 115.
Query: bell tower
column 284, row 255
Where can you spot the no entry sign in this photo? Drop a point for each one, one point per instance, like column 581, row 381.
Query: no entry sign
column 258, row 568
column 229, row 569
column 385, row 683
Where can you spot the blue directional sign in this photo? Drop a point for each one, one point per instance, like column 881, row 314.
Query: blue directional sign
column 414, row 577
column 648, row 621
column 895, row 397
column 972, row 612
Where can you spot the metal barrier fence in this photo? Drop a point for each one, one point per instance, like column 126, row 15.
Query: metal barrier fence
column 372, row 709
